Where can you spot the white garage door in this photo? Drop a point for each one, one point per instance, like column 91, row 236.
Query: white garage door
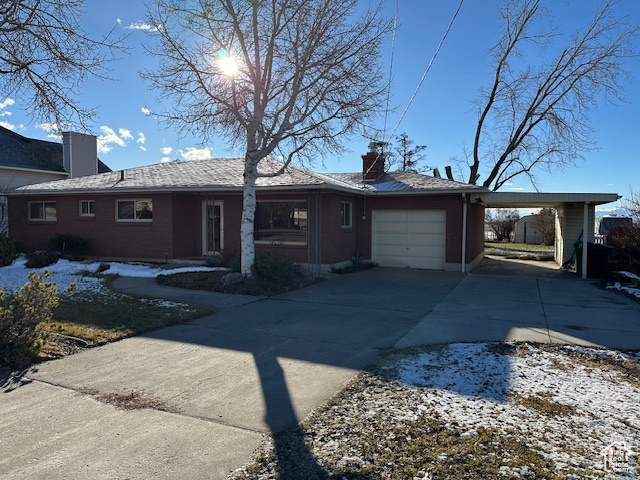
column 409, row 238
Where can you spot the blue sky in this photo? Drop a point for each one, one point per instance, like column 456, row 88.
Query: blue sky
column 442, row 116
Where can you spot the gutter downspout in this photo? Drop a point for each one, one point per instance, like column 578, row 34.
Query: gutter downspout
column 464, row 232
column 585, row 227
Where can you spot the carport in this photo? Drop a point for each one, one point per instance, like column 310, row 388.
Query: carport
column 575, row 216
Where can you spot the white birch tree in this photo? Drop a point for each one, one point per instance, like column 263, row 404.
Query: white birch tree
column 535, row 113
column 281, row 78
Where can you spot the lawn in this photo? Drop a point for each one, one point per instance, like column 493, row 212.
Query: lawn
column 520, row 247
column 470, row 411
column 89, row 319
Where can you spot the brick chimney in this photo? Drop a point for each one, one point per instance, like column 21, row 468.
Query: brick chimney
column 372, row 163
column 79, row 154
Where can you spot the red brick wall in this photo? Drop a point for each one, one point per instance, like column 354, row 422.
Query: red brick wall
column 187, row 220
column 176, row 229
column 106, row 236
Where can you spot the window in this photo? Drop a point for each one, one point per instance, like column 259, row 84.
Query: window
column 284, row 222
column 42, row 211
column 134, row 210
column 345, row 213
column 87, row 208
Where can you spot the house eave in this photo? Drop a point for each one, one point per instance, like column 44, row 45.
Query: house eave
column 35, row 170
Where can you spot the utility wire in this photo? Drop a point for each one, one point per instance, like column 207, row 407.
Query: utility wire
column 424, row 75
column 393, row 44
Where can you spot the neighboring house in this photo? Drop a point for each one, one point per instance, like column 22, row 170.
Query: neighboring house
column 606, row 223
column 189, row 209
column 526, row 232
column 26, row 161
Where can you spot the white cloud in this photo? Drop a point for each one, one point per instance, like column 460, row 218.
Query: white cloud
column 109, row 138
column 192, row 153
column 141, row 138
column 167, row 150
column 145, row 110
column 125, row 134
column 140, row 25
column 143, row 148
column 166, row 159
column 52, row 130
column 6, row 103
column 118, row 21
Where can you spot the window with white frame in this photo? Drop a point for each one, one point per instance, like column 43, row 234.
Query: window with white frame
column 43, row 211
column 138, row 210
column 87, row 208
column 346, row 214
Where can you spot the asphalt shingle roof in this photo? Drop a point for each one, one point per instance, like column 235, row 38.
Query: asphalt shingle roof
column 22, row 152
column 227, row 174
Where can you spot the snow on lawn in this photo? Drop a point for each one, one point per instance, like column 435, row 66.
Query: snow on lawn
column 473, row 386
column 65, row 272
column 630, row 290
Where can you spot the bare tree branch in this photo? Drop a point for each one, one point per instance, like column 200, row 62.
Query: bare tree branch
column 537, row 116
column 45, row 56
column 308, row 73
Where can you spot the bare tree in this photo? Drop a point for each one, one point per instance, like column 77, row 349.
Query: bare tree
column 409, row 155
column 503, row 222
column 282, row 78
column 545, row 222
column 535, row 116
column 45, row 55
column 632, row 205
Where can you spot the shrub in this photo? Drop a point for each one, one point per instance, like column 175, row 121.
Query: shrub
column 275, row 269
column 20, row 338
column 69, row 244
column 626, row 242
column 41, row 258
column 7, row 250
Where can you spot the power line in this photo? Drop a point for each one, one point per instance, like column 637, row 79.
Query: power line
column 424, row 75
column 393, row 44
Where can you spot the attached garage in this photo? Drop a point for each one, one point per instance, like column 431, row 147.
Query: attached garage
column 409, row 238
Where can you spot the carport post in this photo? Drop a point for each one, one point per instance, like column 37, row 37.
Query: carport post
column 585, row 227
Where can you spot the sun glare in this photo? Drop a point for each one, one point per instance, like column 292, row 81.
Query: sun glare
column 227, row 63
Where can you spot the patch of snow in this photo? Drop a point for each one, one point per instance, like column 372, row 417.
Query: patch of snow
column 630, row 275
column 630, row 290
column 65, row 272
column 472, row 387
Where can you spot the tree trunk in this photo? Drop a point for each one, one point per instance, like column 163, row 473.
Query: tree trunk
column 247, row 244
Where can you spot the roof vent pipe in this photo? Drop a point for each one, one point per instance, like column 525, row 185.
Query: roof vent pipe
column 121, row 175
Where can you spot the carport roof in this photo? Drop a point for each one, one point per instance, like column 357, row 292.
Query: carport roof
column 533, row 199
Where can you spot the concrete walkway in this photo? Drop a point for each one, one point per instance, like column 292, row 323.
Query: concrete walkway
column 255, row 366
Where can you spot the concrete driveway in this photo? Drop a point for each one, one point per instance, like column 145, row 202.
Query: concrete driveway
column 261, row 365
column 254, row 367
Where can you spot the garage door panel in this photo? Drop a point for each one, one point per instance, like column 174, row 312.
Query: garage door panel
column 392, row 261
column 426, row 215
column 390, row 215
column 392, row 239
column 426, row 239
column 426, row 227
column 409, row 238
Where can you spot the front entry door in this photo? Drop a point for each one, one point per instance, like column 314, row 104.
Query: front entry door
column 212, row 227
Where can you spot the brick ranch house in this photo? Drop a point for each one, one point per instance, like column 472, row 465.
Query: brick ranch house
column 190, row 209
